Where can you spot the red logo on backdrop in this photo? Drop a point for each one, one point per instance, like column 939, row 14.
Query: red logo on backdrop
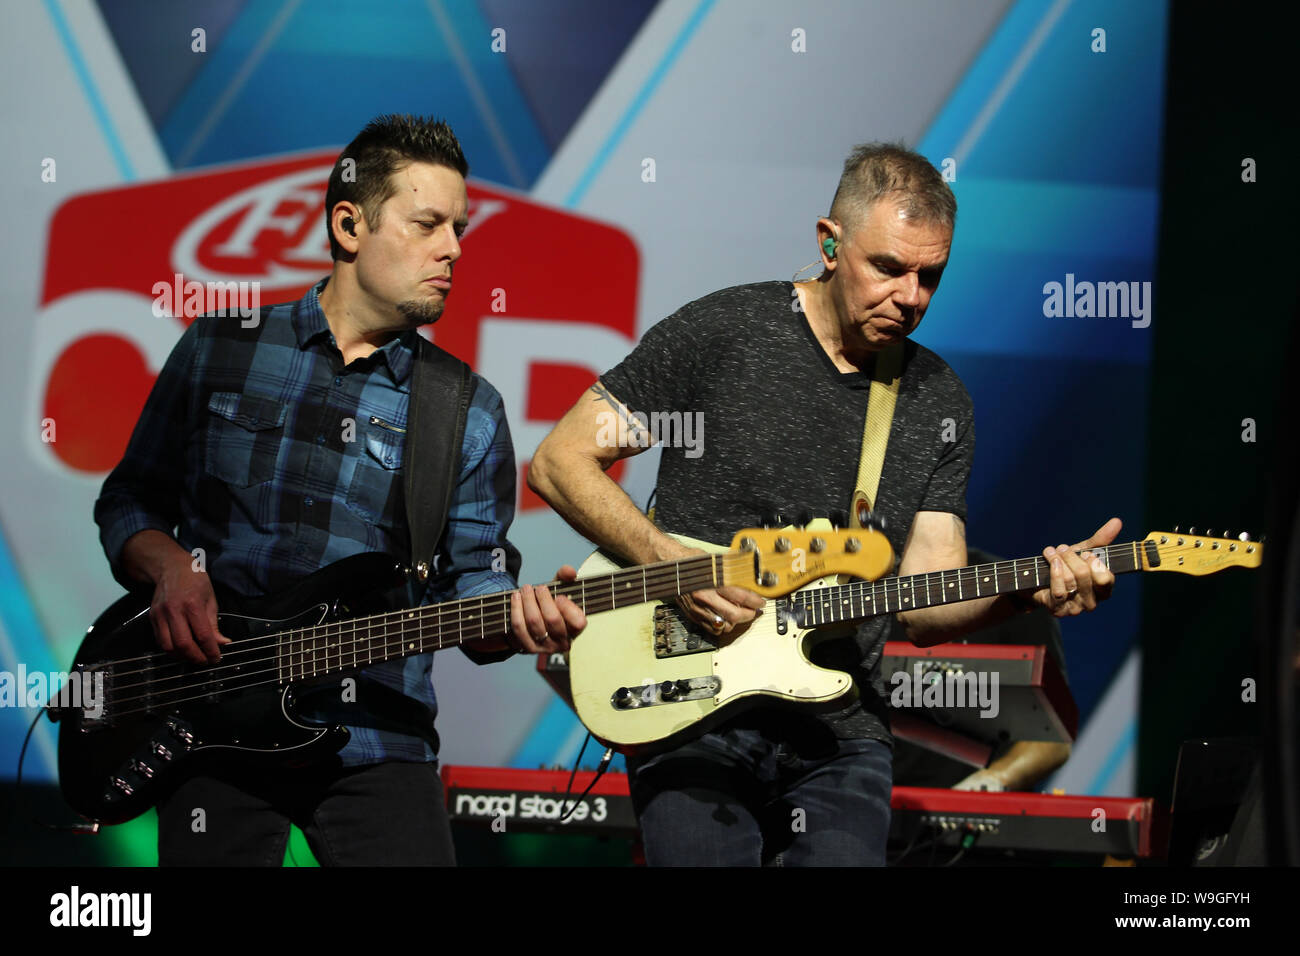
column 533, row 276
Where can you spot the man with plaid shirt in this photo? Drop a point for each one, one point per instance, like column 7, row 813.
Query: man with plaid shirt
column 277, row 449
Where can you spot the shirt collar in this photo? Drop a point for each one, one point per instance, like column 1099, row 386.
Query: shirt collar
column 309, row 325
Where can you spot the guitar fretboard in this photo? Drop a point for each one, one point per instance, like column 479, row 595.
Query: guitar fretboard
column 345, row 645
column 860, row 599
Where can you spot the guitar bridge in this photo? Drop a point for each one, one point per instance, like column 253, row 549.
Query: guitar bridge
column 676, row 634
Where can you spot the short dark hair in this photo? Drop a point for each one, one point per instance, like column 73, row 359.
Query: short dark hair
column 387, row 144
column 875, row 171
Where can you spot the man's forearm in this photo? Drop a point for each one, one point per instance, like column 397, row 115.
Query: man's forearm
column 147, row 552
column 1028, row 762
column 591, row 501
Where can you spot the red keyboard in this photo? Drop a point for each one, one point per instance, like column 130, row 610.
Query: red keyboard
column 534, row 801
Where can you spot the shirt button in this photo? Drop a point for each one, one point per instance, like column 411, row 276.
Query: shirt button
column 338, row 380
column 320, row 439
column 388, row 459
column 309, row 501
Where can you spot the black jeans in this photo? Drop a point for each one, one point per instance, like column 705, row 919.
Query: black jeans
column 385, row 814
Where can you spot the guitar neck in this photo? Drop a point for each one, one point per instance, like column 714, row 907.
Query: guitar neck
column 326, row 649
column 861, row 599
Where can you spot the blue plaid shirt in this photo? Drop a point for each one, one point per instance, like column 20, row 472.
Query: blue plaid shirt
column 258, row 446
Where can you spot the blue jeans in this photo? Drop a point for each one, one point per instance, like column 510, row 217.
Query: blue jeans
column 750, row 797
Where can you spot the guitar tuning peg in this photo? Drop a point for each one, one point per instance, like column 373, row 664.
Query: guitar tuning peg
column 1244, row 536
column 1175, row 529
column 1209, row 533
column 1192, row 530
column 838, row 519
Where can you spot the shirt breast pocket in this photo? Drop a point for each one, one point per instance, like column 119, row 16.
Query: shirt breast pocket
column 379, row 465
column 243, row 438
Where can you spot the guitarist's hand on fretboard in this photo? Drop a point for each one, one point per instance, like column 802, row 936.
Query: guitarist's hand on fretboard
column 541, row 623
column 1080, row 580
column 720, row 610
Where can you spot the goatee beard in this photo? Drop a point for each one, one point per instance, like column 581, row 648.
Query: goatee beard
column 420, row 311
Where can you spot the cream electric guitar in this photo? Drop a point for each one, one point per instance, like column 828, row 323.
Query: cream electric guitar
column 645, row 678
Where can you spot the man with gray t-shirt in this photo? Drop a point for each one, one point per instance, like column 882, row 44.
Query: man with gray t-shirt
column 781, row 374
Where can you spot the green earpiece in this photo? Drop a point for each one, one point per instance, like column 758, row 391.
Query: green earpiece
column 829, row 244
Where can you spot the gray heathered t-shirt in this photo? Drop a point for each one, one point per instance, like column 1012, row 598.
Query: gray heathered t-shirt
column 782, row 434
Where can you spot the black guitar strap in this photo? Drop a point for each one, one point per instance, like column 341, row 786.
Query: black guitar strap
column 441, row 389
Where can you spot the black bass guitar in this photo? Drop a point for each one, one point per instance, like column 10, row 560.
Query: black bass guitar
column 150, row 713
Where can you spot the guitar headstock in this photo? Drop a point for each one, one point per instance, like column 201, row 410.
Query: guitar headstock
column 1191, row 553
column 781, row 560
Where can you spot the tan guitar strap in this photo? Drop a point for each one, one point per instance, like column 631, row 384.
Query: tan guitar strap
column 875, row 432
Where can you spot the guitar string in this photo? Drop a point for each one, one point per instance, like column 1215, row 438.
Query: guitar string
column 454, row 608
column 343, row 628
column 968, row 573
column 657, row 574
column 647, row 575
column 892, row 589
column 242, row 681
column 418, row 620
column 973, row 569
column 397, row 626
column 407, row 617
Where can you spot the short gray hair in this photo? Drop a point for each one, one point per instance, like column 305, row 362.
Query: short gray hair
column 876, row 171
